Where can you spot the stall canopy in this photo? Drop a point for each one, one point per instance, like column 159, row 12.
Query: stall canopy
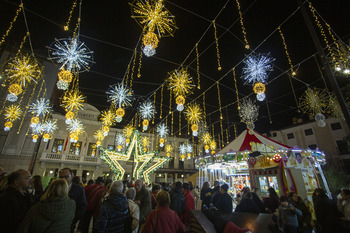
column 242, row 142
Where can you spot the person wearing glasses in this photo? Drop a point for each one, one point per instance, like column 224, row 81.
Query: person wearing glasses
column 75, row 192
column 15, row 201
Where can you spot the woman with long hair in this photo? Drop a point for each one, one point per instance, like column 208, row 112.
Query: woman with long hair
column 206, row 194
column 38, row 189
column 54, row 213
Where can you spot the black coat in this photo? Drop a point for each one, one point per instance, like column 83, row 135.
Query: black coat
column 112, row 215
column 77, row 193
column 215, row 195
column 258, row 202
column 206, row 199
column 224, row 203
column 13, row 208
column 247, row 205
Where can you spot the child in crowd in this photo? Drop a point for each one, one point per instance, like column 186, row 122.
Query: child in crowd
column 287, row 216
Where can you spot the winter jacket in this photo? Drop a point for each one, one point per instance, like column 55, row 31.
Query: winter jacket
column 247, row 205
column 189, row 205
column 50, row 216
column 135, row 214
column 112, row 215
column 13, row 208
column 76, row 192
column 177, row 201
column 306, row 216
column 287, row 216
column 144, row 197
column 215, row 195
column 206, row 196
column 224, row 203
column 163, row 220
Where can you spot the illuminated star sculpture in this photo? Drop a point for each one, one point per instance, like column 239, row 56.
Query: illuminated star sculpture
column 257, row 68
column 134, row 153
column 72, row 54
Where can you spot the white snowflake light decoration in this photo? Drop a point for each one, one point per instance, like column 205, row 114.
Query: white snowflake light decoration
column 189, row 148
column 62, row 85
column 149, row 50
column 120, row 95
column 75, row 126
column 248, row 112
column 183, row 149
column 49, row 126
column 74, row 55
column 162, row 130
column 40, row 107
column 147, row 110
column 257, row 68
column 38, row 129
column 11, row 97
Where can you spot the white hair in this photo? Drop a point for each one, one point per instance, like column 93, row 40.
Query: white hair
column 117, row 187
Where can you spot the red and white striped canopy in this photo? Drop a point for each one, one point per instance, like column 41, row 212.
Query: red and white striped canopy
column 242, row 142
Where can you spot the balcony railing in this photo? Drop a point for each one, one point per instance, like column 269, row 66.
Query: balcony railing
column 54, row 157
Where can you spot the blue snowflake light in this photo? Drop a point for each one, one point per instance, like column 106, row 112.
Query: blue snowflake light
column 120, row 139
column 74, row 55
column 40, row 107
column 189, row 148
column 257, row 68
column 162, row 130
column 49, row 126
column 147, row 110
column 183, row 149
column 120, row 95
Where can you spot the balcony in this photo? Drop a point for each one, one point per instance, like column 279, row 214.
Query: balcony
column 68, row 158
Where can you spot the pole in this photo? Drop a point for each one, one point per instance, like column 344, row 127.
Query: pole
column 323, row 57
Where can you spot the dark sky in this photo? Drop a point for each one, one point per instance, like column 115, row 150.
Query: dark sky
column 109, row 31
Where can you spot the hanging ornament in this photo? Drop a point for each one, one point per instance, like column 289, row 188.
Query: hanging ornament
column 120, row 113
column 213, row 146
column 334, row 108
column 69, row 116
column 194, row 115
column 35, row 138
column 40, row 107
column 147, row 111
column 14, row 90
column 120, row 139
column 73, row 100
column 182, row 150
column 248, row 112
column 189, row 150
column 120, row 95
column 128, row 130
column 150, row 41
column 168, row 150
column 8, row 125
column 145, row 143
column 74, row 55
column 107, row 118
column 257, row 68
column 162, row 131
column 46, row 137
column 98, row 143
column 206, row 139
column 34, row 121
column 64, row 79
column 99, row 136
column 259, row 89
column 105, row 130
column 181, row 84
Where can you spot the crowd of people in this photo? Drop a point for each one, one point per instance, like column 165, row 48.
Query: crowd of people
column 70, row 205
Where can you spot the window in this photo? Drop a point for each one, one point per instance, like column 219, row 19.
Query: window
column 312, row 147
column 57, row 146
column 308, row 132
column 110, row 147
column 92, row 149
column 336, row 126
column 75, row 148
column 171, row 163
column 342, row 147
column 290, row 135
column 181, row 164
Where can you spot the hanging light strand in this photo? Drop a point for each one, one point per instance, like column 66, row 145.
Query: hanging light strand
column 227, row 136
column 198, row 75
column 204, row 112
column 140, row 64
column 243, row 28
column 154, row 105
column 179, row 123
column 286, row 51
column 172, row 123
column 268, row 110
column 66, row 27
column 341, row 55
column 217, row 46
column 170, row 102
column 234, row 77
column 161, row 101
column 235, row 129
column 22, row 43
column 11, row 24
column 133, row 68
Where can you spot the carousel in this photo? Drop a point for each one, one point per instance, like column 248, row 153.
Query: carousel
column 258, row 162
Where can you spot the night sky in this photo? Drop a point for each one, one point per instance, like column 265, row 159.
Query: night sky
column 109, row 31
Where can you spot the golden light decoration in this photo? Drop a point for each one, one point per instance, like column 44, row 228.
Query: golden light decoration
column 206, row 139
column 120, row 113
column 168, row 149
column 334, row 108
column 99, row 135
column 15, row 89
column 150, row 41
column 212, row 146
column 152, row 14
column 194, row 116
column 23, row 69
column 8, row 125
column 182, row 157
column 69, row 116
column 259, row 89
column 73, row 100
column 46, row 137
column 34, row 121
column 107, row 118
column 145, row 124
column 64, row 78
column 314, row 101
column 12, row 112
column 248, row 112
column 98, row 143
column 145, row 142
column 105, row 130
column 35, row 138
column 128, row 130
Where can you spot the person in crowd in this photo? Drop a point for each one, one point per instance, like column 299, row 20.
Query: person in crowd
column 304, row 221
column 257, row 200
column 143, row 199
column 206, row 195
column 272, row 202
column 103, row 196
column 195, row 194
column 97, row 197
column 224, row 202
column 75, row 192
column 177, row 199
column 77, row 180
column 3, row 183
column 247, row 205
column 113, row 211
column 287, row 216
column 90, row 182
column 163, row 219
column 215, row 193
column 125, row 185
column 37, row 188
column 54, row 213
column 134, row 210
column 90, row 192
column 84, row 182
column 15, row 201
column 343, row 203
column 189, row 204
column 155, row 190
column 327, row 214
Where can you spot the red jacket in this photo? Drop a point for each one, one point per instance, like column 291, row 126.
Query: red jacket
column 163, row 220
column 90, row 193
column 190, row 205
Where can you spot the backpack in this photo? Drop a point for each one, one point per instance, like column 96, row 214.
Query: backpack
column 177, row 202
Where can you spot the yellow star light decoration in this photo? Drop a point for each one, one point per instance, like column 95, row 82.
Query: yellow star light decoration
column 168, row 149
column 180, row 82
column 194, row 113
column 99, row 135
column 128, row 130
column 12, row 112
column 145, row 143
column 206, row 138
column 107, row 118
column 23, row 69
column 73, row 100
column 142, row 160
column 152, row 14
column 314, row 101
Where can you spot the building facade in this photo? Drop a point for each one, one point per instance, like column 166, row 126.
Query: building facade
column 330, row 139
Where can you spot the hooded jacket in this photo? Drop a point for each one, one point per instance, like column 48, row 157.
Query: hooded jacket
column 113, row 214
column 49, row 216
